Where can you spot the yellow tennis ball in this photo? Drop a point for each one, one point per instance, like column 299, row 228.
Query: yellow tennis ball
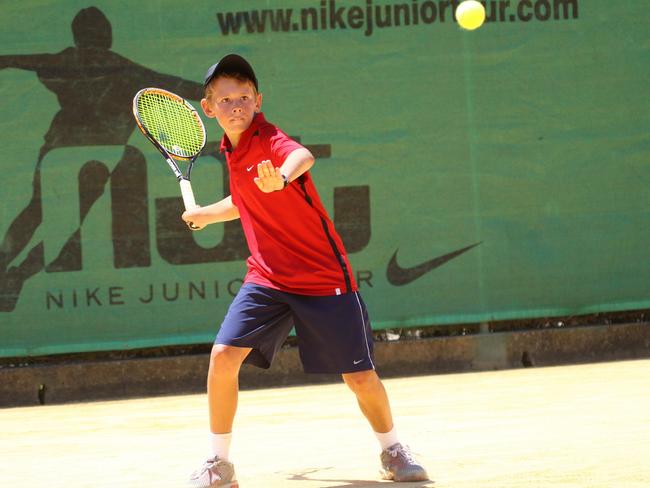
column 470, row 14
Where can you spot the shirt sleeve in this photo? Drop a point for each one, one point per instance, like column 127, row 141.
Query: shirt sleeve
column 279, row 145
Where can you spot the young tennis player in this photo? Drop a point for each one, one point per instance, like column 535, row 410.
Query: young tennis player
column 298, row 275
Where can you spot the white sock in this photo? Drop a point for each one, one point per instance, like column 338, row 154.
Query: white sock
column 220, row 445
column 387, row 439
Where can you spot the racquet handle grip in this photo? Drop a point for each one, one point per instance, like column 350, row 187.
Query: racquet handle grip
column 188, row 199
column 188, row 194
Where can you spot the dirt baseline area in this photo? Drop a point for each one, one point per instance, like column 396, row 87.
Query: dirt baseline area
column 580, row 426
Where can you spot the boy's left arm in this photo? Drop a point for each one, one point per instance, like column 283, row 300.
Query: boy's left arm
column 270, row 178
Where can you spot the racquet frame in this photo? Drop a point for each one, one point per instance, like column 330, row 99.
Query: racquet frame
column 171, row 156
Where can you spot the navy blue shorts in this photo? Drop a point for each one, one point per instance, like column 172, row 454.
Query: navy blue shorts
column 333, row 332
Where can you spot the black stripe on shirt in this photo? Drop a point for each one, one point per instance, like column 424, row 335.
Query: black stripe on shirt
column 337, row 253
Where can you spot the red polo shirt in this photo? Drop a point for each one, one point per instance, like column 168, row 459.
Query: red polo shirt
column 293, row 244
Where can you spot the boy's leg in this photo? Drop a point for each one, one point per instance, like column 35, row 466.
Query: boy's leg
column 223, row 386
column 397, row 462
column 254, row 329
column 372, row 398
column 223, row 391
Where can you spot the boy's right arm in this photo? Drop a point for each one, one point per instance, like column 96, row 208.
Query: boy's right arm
column 221, row 211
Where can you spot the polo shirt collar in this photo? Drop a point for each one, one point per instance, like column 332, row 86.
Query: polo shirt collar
column 258, row 119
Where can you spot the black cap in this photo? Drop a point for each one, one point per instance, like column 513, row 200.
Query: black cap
column 231, row 64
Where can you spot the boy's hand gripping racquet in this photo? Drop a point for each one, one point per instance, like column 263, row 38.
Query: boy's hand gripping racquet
column 176, row 129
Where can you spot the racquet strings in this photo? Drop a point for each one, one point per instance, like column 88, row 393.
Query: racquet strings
column 174, row 125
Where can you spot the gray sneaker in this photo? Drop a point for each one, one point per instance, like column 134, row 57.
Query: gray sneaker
column 214, row 473
column 398, row 464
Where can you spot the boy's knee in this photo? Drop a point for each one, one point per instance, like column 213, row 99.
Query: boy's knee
column 362, row 381
column 226, row 359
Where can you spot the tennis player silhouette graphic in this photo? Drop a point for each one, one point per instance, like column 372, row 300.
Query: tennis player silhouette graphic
column 94, row 87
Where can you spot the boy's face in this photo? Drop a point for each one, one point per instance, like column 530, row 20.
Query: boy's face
column 233, row 103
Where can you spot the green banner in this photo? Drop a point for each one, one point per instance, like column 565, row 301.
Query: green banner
column 474, row 176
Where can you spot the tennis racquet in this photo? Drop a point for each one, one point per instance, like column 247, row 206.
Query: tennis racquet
column 174, row 127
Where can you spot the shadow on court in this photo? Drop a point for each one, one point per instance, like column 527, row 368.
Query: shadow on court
column 344, row 483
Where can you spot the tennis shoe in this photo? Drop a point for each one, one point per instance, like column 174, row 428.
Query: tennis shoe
column 398, row 464
column 215, row 473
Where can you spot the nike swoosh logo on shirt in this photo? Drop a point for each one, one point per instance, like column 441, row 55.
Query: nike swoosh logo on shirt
column 398, row 276
column 250, row 168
